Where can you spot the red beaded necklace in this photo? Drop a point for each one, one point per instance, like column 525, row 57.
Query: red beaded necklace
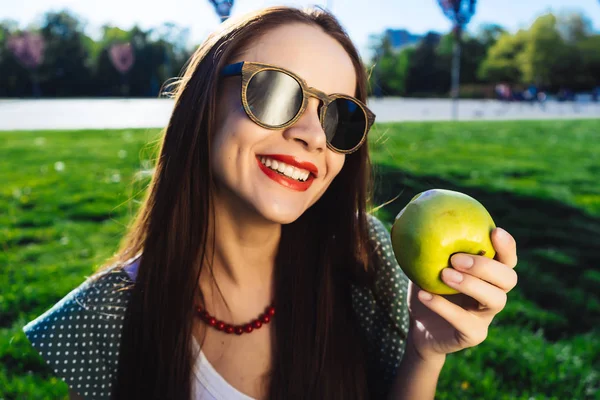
column 264, row 318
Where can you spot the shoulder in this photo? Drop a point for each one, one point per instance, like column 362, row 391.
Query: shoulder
column 386, row 267
column 391, row 283
column 375, row 223
column 79, row 336
column 390, row 287
column 379, row 234
column 382, row 309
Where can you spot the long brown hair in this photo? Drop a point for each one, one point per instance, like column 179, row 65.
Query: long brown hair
column 318, row 351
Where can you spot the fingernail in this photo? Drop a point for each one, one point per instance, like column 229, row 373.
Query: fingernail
column 452, row 275
column 462, row 261
column 502, row 234
column 425, row 296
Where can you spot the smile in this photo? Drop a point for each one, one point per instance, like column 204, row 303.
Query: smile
column 285, row 169
column 289, row 176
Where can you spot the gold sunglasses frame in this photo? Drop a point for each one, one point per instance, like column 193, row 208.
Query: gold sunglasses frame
column 249, row 69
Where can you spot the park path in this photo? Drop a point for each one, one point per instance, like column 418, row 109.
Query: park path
column 152, row 113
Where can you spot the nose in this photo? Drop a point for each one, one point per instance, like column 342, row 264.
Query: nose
column 308, row 130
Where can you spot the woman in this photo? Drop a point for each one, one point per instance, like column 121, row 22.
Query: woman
column 253, row 269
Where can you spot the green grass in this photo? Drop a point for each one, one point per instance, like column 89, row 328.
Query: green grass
column 67, row 197
column 553, row 160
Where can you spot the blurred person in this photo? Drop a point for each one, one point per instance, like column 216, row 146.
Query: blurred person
column 542, row 98
column 254, row 268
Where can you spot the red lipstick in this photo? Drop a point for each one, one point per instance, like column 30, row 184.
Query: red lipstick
column 284, row 180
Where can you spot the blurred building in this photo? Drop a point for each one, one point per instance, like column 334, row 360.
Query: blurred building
column 400, row 38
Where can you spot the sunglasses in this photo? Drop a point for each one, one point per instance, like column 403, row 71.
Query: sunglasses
column 276, row 98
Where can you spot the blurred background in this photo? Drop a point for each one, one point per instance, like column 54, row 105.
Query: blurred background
column 498, row 99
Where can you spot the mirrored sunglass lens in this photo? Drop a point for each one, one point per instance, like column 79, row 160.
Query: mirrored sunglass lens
column 274, row 97
column 344, row 124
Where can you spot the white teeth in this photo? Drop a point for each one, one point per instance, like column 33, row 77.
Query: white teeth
column 285, row 169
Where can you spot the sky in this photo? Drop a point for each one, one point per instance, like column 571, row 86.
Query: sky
column 360, row 18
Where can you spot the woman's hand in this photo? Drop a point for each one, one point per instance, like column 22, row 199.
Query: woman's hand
column 449, row 323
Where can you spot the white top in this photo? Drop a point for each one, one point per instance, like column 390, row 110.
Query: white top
column 209, row 384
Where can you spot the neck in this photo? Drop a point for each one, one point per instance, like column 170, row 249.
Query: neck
column 242, row 264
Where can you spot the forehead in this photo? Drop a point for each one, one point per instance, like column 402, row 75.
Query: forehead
column 308, row 52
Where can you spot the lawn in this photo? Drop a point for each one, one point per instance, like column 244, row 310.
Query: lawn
column 67, row 198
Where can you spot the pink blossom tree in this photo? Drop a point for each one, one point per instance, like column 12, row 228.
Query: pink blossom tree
column 122, row 57
column 28, row 49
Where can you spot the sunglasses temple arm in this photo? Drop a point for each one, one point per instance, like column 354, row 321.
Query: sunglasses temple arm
column 232, row 69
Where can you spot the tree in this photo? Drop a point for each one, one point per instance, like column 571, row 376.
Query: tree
column 64, row 71
column 501, row 63
column 156, row 60
column 473, row 52
column 556, row 52
column 579, row 68
column 74, row 64
column 16, row 80
column 173, row 40
column 426, row 74
column 122, row 58
column 28, row 48
column 543, row 50
column 574, row 27
column 590, row 60
column 390, row 71
column 488, row 34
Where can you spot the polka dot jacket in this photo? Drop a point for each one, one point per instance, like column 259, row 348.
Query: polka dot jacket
column 79, row 336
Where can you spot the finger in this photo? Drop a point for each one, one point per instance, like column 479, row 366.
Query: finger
column 491, row 298
column 492, row 271
column 472, row 329
column 506, row 247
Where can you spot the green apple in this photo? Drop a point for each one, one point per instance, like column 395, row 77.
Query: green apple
column 432, row 227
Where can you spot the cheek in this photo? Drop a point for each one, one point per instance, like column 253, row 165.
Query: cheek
column 229, row 131
column 335, row 162
column 219, row 142
column 229, row 109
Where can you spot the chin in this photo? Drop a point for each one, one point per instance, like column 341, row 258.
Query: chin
column 281, row 216
column 280, row 207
